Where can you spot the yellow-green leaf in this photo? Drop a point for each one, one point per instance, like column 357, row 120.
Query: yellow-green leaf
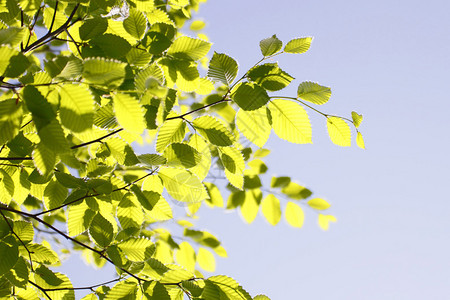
column 339, row 131
column 203, row 166
column 136, row 249
column 294, row 215
column 170, row 131
column 189, row 48
column 213, row 130
column 185, row 256
column 314, row 92
column 360, row 140
column 77, row 107
column 250, row 96
column 129, row 113
column 44, row 159
column 357, row 119
column 290, row 121
column 324, row 221
column 299, row 45
column 271, row 209
column 182, row 185
column 206, row 260
column 11, row 114
column 319, row 204
column 250, row 207
column 270, row 45
column 254, row 125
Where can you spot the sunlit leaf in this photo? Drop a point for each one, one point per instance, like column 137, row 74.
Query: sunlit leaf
column 270, row 45
column 357, row 119
column 324, row 221
column 189, row 48
column 339, row 131
column 222, row 68
column 360, row 140
column 319, row 204
column 170, row 132
column 206, row 260
column 213, row 130
column 135, row 24
column 299, row 45
column 101, row 230
column 129, row 113
column 182, row 185
column 270, row 76
column 250, row 96
column 290, row 121
column 11, row 114
column 254, row 125
column 136, row 249
column 185, row 256
column 294, row 215
column 314, row 92
column 77, row 107
column 271, row 209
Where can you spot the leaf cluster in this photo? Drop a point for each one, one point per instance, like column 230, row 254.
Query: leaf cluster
column 81, row 83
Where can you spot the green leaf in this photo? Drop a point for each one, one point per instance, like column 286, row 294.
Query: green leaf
column 112, row 45
column 9, row 253
column 40, row 108
column 360, row 140
column 6, row 187
column 182, row 155
column 69, row 181
column 250, row 96
column 290, row 121
column 124, row 290
column 77, row 107
column 103, row 72
column 136, row 249
column 92, row 28
column 324, row 221
column 135, row 24
column 294, row 215
column 270, row 76
column 339, row 131
column 11, row 113
column 206, row 260
column 270, row 45
column 79, row 218
column 152, row 160
column 261, row 297
column 101, row 231
column 185, row 256
column 170, row 131
column 155, row 42
column 357, row 119
column 299, row 45
column 254, row 125
column 129, row 113
column 186, row 47
column 313, row 92
column 155, row 291
column 53, row 134
column 213, row 130
column 183, row 73
column 18, row 64
column 222, row 68
column 175, row 276
column 182, row 185
column 271, row 209
column 122, row 152
column 129, row 212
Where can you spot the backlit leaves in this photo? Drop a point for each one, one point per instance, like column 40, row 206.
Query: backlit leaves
column 182, row 185
column 250, row 96
column 290, row 121
column 270, row 45
column 299, row 45
column 103, row 72
column 357, row 119
column 271, row 209
column 270, row 76
column 294, row 215
column 324, row 221
column 213, row 130
column 254, row 125
column 10, row 119
column 76, row 107
column 129, row 113
column 222, row 68
column 313, row 92
column 135, row 24
column 339, row 131
column 186, row 47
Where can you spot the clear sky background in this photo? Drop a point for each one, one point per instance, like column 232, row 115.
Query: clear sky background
column 390, row 61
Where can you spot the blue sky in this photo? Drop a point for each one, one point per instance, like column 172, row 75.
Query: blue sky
column 388, row 60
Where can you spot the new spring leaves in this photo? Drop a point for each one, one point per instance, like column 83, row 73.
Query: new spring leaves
column 67, row 127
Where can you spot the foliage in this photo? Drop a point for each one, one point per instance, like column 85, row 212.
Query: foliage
column 81, row 83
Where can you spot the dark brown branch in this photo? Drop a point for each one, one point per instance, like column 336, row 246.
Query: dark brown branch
column 16, row 158
column 53, row 18
column 96, row 140
column 99, row 252
column 49, row 35
column 66, row 204
column 83, row 288
column 40, row 288
column 200, row 108
column 20, row 240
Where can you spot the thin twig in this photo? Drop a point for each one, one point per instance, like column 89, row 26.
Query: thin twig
column 40, row 288
column 96, row 140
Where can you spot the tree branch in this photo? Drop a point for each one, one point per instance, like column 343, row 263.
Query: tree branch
column 40, row 288
column 96, row 140
column 200, row 108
